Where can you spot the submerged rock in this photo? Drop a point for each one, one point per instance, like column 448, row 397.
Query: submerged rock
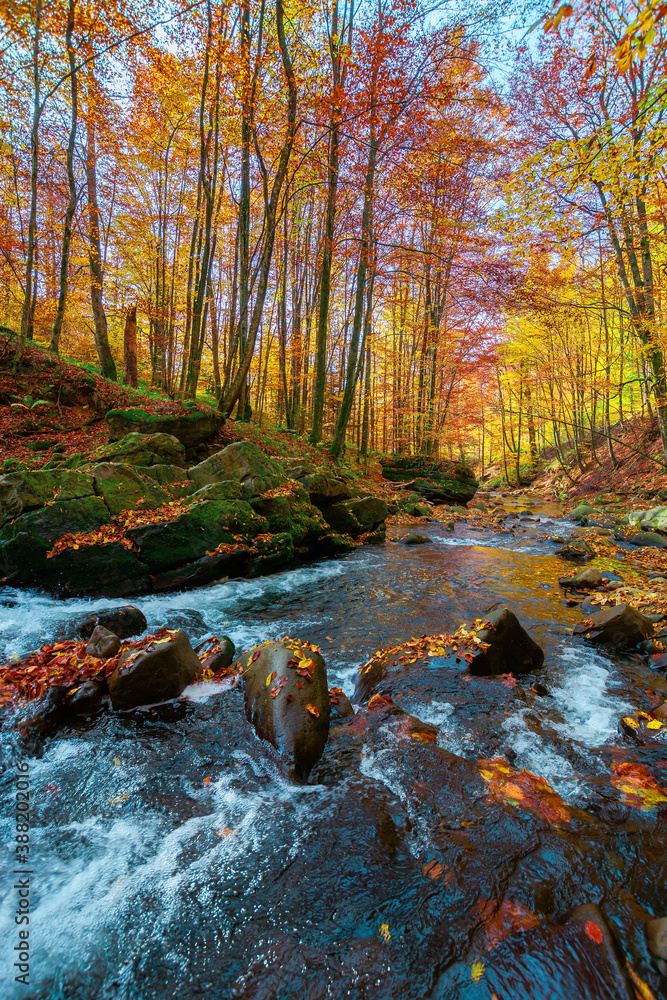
column 414, row 538
column 160, row 672
column 620, row 627
column 86, row 699
column 287, row 701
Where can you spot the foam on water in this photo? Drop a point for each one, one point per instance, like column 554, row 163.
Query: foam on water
column 590, row 708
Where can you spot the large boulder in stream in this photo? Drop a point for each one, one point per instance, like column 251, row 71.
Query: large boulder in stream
column 585, row 579
column 619, row 627
column 287, row 701
column 158, row 672
column 494, row 645
column 357, row 516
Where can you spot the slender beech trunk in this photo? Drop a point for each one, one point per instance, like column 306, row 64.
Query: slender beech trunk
column 71, row 205
column 107, row 362
column 338, row 70
column 26, row 313
column 362, row 269
column 130, row 376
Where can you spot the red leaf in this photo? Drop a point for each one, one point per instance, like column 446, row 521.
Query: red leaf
column 594, row 932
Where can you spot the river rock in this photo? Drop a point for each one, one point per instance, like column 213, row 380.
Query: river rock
column 288, row 709
column 648, row 539
column 124, row 622
column 160, row 672
column 198, row 530
column 575, row 550
column 431, row 668
column 219, row 655
column 621, row 627
column 25, row 541
column 585, row 579
column 86, row 699
column 356, row 516
column 511, row 649
column 103, row 643
column 414, row 538
column 190, row 428
column 238, row 461
column 340, row 706
column 324, row 489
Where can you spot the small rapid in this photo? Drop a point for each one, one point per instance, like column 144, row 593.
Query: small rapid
column 171, row 854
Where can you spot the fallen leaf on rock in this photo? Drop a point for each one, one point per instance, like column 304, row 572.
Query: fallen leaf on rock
column 384, row 933
column 639, row 787
column 476, row 971
column 313, row 710
column 271, row 677
column 224, row 832
column 509, row 680
column 207, row 779
column 594, row 932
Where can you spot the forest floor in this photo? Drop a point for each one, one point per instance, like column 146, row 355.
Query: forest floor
column 637, row 468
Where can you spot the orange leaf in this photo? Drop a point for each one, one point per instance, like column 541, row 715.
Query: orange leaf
column 313, row 711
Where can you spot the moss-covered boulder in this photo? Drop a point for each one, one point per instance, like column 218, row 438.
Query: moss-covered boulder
column 24, row 491
column 226, row 490
column 325, row 490
column 355, row 517
column 239, row 461
column 25, row 542
column 271, row 554
column 110, row 570
column 439, row 482
column 166, row 475
column 124, row 488
column 198, row 530
column 191, row 428
column 141, row 450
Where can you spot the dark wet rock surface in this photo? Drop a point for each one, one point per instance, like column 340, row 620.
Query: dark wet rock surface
column 460, row 836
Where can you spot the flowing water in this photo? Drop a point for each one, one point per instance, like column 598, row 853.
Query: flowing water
column 382, row 876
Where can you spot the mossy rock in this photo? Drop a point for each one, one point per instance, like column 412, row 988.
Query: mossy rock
column 239, row 461
column 357, row 516
column 124, row 488
column 111, row 570
column 24, row 491
column 198, row 530
column 165, row 475
column 226, row 490
column 141, row 450
column 25, row 542
column 191, row 428
column 440, row 482
column 274, row 552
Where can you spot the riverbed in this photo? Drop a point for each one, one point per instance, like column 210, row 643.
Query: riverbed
column 172, row 857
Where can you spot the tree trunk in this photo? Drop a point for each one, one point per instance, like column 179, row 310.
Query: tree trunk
column 71, row 205
column 26, row 313
column 107, row 363
column 130, row 375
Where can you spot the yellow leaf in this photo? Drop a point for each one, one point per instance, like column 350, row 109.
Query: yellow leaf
column 384, row 933
column 654, row 724
column 629, row 721
column 116, row 760
column 477, row 971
